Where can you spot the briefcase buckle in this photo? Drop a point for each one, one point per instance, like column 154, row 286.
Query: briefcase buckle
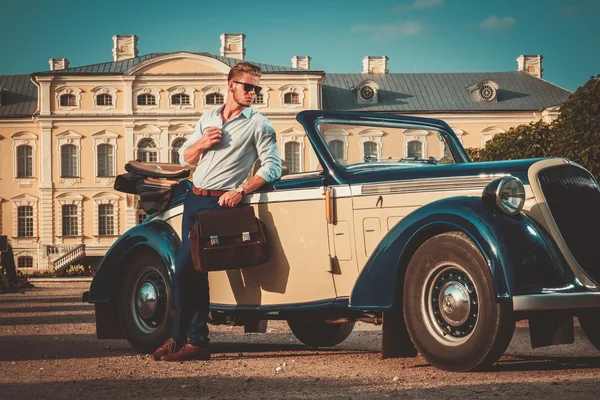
column 214, row 240
column 245, row 236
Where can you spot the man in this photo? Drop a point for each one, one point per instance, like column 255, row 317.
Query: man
column 224, row 147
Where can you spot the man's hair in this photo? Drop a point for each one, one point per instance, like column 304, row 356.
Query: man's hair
column 243, row 68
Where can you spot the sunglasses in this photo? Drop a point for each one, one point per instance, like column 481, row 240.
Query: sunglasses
column 248, row 87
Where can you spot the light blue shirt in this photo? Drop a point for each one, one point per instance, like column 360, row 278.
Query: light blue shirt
column 247, row 137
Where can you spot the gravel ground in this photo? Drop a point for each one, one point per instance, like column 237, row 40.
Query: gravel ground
column 48, row 349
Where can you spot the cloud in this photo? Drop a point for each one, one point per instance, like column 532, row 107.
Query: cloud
column 390, row 31
column 495, row 23
column 420, row 5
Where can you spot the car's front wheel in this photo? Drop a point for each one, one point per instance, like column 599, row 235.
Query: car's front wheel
column 320, row 334
column 450, row 309
column 145, row 302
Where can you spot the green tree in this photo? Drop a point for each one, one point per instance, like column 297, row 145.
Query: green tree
column 522, row 141
column 577, row 128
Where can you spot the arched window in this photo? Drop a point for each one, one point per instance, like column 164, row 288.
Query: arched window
column 292, row 157
column 146, row 99
column 69, row 220
column 337, row 149
column 68, row 161
column 415, row 149
column 25, row 221
column 215, row 98
column 104, row 100
column 24, row 161
column 106, row 220
column 370, row 151
column 291, row 98
column 147, row 151
column 180, row 99
column 177, row 143
column 25, row 262
column 105, row 160
column 68, row 100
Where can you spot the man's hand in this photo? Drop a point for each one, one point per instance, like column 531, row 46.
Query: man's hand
column 230, row 199
column 212, row 135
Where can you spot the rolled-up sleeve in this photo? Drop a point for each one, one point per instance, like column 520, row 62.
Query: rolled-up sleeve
column 190, row 141
column 266, row 147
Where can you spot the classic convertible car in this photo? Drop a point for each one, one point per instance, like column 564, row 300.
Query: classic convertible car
column 445, row 253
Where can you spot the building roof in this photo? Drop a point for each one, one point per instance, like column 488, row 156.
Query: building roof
column 120, row 67
column 19, row 96
column 441, row 92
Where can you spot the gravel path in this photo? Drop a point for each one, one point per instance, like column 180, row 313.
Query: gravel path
column 48, row 349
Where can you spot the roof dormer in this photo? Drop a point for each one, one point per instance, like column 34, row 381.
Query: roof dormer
column 366, row 92
column 486, row 90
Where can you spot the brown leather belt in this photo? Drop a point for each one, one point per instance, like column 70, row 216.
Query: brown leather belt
column 208, row 192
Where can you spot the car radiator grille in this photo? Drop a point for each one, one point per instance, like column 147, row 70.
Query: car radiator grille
column 573, row 198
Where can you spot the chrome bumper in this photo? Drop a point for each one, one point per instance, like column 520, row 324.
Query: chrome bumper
column 556, row 301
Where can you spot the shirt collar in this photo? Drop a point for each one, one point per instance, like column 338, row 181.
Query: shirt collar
column 246, row 112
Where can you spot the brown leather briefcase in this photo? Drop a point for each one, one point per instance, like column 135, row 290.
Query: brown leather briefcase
column 228, row 238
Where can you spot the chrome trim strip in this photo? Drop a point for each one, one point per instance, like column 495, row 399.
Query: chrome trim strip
column 556, row 301
column 431, row 185
column 296, row 195
column 170, row 213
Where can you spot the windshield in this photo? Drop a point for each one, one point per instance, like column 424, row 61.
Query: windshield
column 360, row 145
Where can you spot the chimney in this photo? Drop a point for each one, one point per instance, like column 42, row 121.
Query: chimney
column 301, row 62
column 124, row 47
column 375, row 65
column 232, row 45
column 531, row 64
column 56, row 64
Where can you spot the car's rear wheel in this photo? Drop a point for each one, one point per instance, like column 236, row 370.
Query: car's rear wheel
column 320, row 334
column 450, row 309
column 589, row 324
column 145, row 302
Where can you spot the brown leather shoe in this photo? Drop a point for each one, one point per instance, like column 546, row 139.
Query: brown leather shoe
column 169, row 347
column 189, row 352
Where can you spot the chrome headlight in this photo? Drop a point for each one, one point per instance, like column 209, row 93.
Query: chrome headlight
column 507, row 194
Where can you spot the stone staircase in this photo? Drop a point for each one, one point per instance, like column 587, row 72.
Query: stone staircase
column 61, row 256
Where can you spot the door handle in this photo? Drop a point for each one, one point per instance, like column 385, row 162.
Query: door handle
column 329, row 205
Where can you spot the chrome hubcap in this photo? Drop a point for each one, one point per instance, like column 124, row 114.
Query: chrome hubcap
column 450, row 304
column 149, row 300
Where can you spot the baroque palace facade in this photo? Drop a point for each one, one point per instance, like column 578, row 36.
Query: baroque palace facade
column 66, row 133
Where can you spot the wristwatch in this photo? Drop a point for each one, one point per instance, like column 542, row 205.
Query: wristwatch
column 240, row 190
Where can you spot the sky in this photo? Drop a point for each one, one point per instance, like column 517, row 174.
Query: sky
column 416, row 35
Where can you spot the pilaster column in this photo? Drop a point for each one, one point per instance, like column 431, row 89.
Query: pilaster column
column 130, row 211
column 127, row 95
column 46, row 207
column 44, row 94
column 164, row 142
column 129, row 145
column 313, row 102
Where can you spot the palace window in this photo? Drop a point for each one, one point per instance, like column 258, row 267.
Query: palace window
column 292, row 157
column 68, row 161
column 68, row 100
column 147, row 151
column 106, row 220
column 70, row 221
column 105, row 160
column 215, row 98
column 337, row 149
column 180, row 99
column 370, row 151
column 141, row 216
column 25, row 262
column 259, row 99
column 104, row 100
column 177, row 143
column 146, row 99
column 291, row 98
column 24, row 161
column 25, row 221
column 415, row 149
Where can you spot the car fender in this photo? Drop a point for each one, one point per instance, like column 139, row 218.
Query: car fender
column 505, row 242
column 155, row 236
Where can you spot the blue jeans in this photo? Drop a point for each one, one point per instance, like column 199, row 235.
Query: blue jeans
column 190, row 288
